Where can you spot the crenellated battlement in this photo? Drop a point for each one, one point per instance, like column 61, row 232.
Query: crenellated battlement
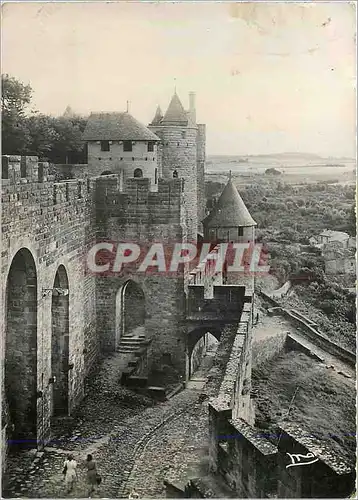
column 16, row 169
column 27, row 181
column 134, row 201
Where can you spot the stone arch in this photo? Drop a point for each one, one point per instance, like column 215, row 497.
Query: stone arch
column 138, row 172
column 60, row 342
column 194, row 337
column 207, row 343
column 130, row 310
column 21, row 348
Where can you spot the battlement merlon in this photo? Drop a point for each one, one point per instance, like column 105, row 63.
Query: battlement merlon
column 16, row 169
column 136, row 203
column 137, row 190
column 25, row 180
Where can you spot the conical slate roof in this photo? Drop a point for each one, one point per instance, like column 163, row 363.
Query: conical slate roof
column 158, row 117
column 175, row 113
column 116, row 127
column 230, row 210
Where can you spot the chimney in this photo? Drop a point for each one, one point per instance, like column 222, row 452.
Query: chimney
column 192, row 106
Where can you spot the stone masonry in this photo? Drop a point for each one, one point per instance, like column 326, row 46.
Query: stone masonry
column 54, row 341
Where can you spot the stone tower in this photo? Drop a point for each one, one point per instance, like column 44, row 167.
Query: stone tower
column 178, row 133
column 119, row 144
column 231, row 222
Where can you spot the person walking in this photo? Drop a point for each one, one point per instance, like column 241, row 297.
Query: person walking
column 70, row 472
column 93, row 478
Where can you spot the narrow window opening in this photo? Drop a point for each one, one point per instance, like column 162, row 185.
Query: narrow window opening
column 105, row 146
column 23, row 166
column 40, row 173
column 127, row 145
column 4, row 167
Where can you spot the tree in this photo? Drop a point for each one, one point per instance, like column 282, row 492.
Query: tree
column 272, row 171
column 56, row 139
column 68, row 145
column 42, row 135
column 15, row 97
column 352, row 221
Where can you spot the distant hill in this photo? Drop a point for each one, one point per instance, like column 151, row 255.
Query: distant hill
column 279, row 157
column 308, row 156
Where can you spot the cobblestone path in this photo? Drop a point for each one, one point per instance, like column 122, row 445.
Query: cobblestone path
column 115, row 425
column 176, row 452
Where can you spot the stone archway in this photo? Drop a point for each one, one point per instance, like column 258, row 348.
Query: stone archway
column 138, row 172
column 206, row 344
column 198, row 339
column 21, row 349
column 130, row 310
column 60, row 343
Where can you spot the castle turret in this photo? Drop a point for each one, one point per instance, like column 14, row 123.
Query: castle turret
column 175, row 114
column 178, row 134
column 117, row 143
column 231, row 222
column 157, row 117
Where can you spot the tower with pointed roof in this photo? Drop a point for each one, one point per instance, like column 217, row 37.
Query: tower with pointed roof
column 178, row 156
column 230, row 222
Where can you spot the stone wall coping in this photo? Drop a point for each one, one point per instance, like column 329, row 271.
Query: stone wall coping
column 227, row 387
column 318, row 447
column 220, row 405
column 261, row 444
column 313, row 334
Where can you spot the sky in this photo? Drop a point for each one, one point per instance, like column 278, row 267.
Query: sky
column 268, row 77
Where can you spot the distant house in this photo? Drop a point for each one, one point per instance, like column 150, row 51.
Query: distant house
column 352, row 243
column 337, row 259
column 313, row 241
column 328, row 236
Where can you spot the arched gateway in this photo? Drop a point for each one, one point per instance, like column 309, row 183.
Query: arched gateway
column 130, row 310
column 60, row 343
column 21, row 349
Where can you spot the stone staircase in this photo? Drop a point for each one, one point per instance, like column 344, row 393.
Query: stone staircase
column 130, row 350
column 131, row 344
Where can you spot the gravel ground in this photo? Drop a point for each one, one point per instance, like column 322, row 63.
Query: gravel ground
column 114, row 424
